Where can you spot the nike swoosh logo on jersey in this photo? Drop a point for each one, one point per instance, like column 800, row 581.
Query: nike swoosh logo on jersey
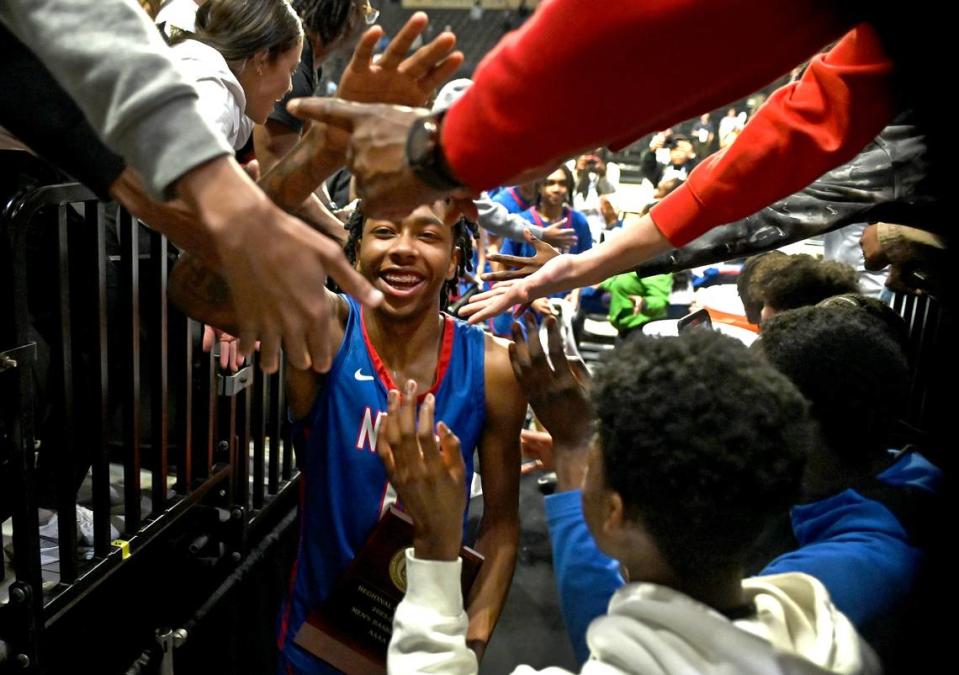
column 360, row 376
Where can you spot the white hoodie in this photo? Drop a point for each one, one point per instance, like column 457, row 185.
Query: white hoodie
column 648, row 629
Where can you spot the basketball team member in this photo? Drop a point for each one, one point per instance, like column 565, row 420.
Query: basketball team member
column 407, row 340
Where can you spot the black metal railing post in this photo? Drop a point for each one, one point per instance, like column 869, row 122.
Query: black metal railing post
column 130, row 263
column 159, row 399
column 66, row 444
column 95, row 219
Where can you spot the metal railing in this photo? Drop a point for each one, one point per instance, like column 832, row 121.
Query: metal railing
column 130, row 384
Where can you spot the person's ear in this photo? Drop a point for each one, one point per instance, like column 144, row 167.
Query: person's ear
column 260, row 60
column 614, row 513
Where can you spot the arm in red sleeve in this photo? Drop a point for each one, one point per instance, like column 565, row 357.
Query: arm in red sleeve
column 548, row 89
column 806, row 128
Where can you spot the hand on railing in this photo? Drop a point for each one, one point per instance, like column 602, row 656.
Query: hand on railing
column 229, row 352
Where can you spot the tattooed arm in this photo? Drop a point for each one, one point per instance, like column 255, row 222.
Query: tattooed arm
column 292, row 181
column 199, row 290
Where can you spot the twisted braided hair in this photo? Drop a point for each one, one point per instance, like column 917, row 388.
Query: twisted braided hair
column 329, row 19
column 463, row 232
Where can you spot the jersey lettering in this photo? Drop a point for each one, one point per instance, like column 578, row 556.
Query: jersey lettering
column 369, row 430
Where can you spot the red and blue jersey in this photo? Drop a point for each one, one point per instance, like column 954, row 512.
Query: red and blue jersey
column 511, row 199
column 572, row 219
column 344, row 489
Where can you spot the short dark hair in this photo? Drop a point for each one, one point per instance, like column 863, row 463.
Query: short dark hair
column 327, row 19
column 703, row 441
column 850, row 364
column 890, row 320
column 804, row 280
column 750, row 280
column 238, row 29
column 463, row 233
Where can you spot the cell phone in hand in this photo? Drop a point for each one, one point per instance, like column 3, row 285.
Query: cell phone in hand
column 697, row 319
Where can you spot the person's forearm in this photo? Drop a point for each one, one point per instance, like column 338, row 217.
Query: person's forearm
column 495, row 218
column 173, row 219
column 570, row 462
column 843, row 100
column 196, row 284
column 313, row 212
column 656, row 295
column 271, row 142
column 639, row 241
column 112, row 61
column 498, row 543
column 586, row 578
column 429, row 626
column 294, row 178
column 487, row 135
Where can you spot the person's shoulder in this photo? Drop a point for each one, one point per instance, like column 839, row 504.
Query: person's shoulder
column 503, row 391
column 497, row 356
column 527, row 215
column 202, row 60
column 503, row 197
column 495, row 351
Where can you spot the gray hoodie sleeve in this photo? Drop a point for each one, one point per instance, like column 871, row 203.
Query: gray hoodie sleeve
column 495, row 218
column 112, row 61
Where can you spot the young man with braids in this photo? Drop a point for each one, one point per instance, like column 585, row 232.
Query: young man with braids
column 465, row 374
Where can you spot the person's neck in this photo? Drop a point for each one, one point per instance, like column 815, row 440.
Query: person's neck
column 408, row 347
column 550, row 212
column 721, row 590
column 827, row 474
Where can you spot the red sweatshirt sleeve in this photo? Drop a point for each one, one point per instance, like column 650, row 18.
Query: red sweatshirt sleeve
column 582, row 74
column 842, row 101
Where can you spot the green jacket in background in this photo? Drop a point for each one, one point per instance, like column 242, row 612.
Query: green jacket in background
column 654, row 289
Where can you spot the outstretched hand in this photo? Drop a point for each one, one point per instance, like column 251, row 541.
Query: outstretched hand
column 397, row 78
column 376, row 155
column 522, row 266
column 560, row 236
column 427, row 472
column 505, row 294
column 558, row 395
column 274, row 268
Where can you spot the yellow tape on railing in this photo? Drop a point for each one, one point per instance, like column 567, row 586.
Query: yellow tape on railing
column 124, row 547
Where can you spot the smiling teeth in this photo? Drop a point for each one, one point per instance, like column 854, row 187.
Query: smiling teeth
column 402, row 278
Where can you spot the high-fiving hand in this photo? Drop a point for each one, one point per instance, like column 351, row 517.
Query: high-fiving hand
column 427, row 471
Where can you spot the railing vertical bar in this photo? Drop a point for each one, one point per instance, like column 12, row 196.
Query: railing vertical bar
column 26, row 524
column 130, row 257
column 211, row 411
column 66, row 444
column 275, row 424
column 184, row 474
column 243, row 451
column 160, row 417
column 285, row 427
column 260, row 396
column 95, row 216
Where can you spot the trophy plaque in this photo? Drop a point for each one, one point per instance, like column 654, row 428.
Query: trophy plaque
column 351, row 630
